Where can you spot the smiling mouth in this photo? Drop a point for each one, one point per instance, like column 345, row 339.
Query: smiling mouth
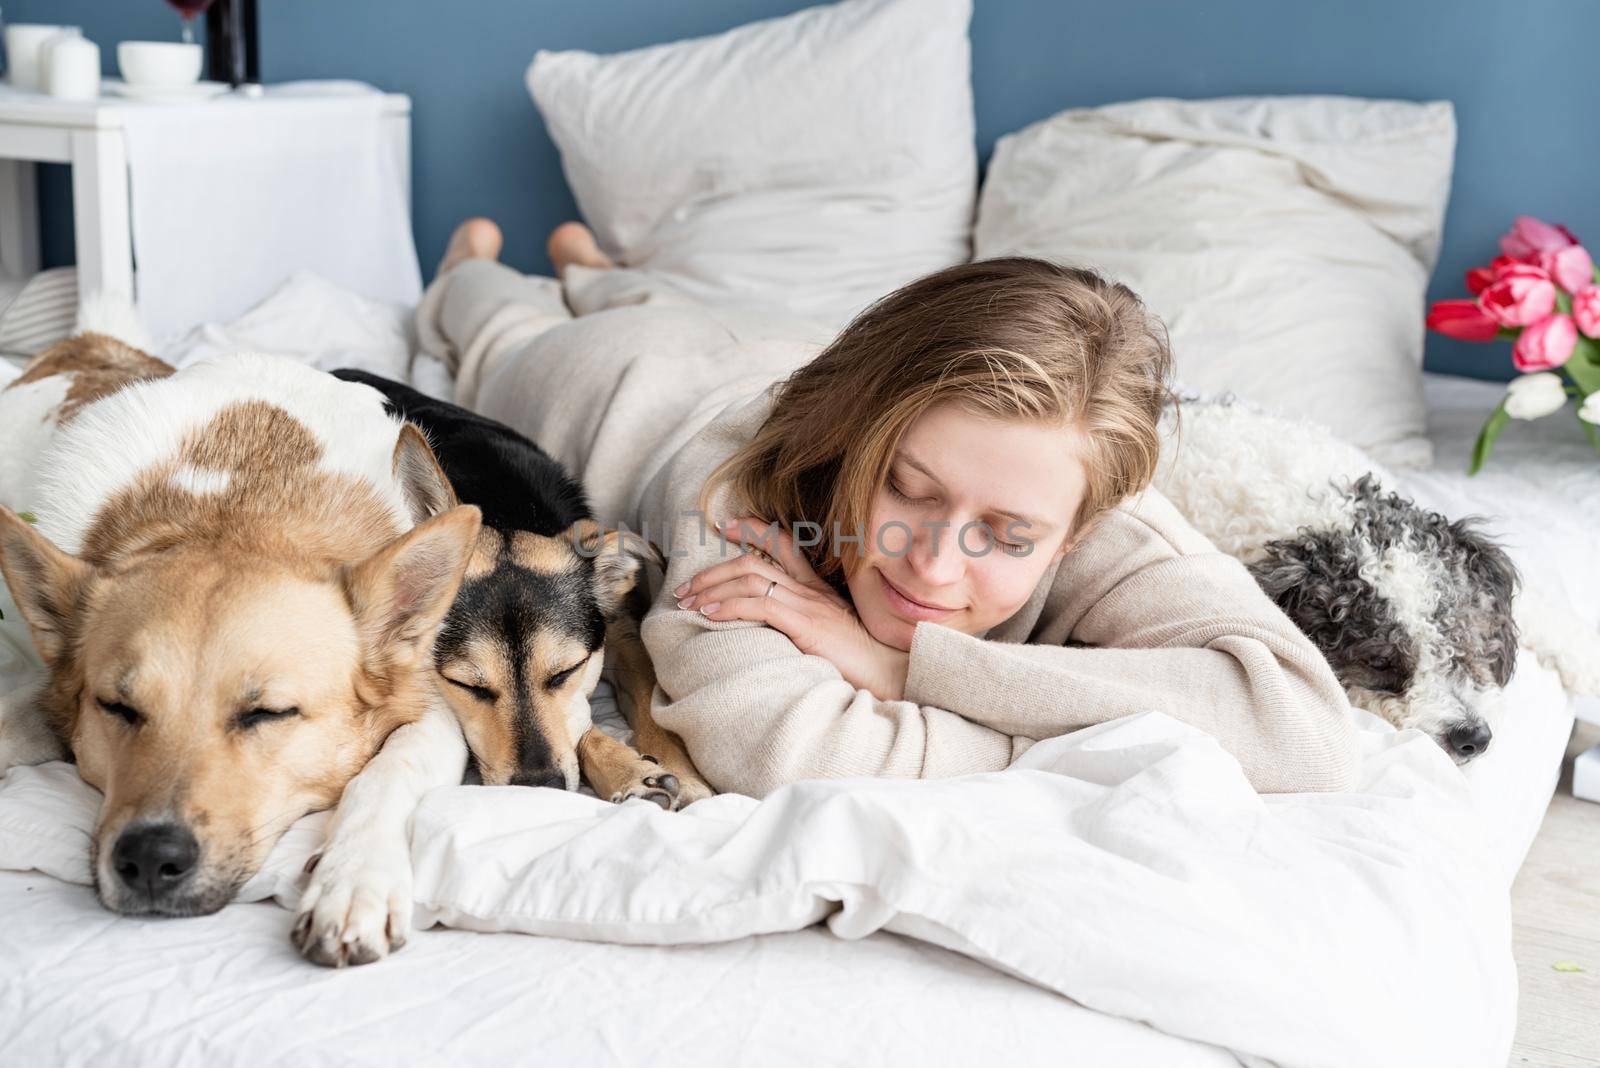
column 910, row 607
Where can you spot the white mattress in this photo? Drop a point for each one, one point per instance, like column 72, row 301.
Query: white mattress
column 78, row 984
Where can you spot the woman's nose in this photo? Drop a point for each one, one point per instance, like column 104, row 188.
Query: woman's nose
column 936, row 556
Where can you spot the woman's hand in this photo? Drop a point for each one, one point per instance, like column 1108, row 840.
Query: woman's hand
column 784, row 592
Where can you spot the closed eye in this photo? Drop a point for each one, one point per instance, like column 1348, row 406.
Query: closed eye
column 255, row 717
column 902, row 496
column 482, row 693
column 132, row 717
column 560, row 678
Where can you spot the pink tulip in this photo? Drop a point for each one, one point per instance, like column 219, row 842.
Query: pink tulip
column 1571, row 267
column 1481, row 278
column 1521, row 295
column 1529, row 236
column 1462, row 319
column 1586, row 310
column 1545, row 345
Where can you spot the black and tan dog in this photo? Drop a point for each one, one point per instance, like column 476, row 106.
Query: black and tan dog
column 545, row 597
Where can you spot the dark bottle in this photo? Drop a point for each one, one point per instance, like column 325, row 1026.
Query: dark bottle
column 232, row 43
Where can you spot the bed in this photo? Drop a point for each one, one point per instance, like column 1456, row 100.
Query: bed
column 856, row 959
column 1121, row 898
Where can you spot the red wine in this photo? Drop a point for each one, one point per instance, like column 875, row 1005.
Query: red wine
column 190, row 8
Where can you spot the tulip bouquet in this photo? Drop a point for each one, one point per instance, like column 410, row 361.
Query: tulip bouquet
column 1541, row 292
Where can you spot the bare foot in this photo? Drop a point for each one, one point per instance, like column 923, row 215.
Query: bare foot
column 475, row 239
column 573, row 242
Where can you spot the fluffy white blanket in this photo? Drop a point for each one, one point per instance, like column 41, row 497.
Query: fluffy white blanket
column 1130, row 867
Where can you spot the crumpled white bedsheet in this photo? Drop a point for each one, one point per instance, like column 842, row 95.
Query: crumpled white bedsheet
column 1129, row 866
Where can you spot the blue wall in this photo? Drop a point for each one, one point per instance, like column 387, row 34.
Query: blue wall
column 1523, row 77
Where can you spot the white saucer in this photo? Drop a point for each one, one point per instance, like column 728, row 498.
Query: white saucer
column 168, row 94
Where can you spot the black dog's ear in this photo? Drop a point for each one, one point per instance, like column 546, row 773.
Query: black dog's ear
column 1280, row 575
column 1315, row 578
column 1495, row 582
column 619, row 558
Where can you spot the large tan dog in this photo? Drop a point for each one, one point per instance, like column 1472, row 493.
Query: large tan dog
column 234, row 596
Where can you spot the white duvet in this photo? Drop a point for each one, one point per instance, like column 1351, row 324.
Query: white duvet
column 1130, row 867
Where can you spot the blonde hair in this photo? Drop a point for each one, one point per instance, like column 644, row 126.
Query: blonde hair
column 1011, row 338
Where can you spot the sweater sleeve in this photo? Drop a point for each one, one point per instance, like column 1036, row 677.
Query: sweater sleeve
column 756, row 713
column 1179, row 628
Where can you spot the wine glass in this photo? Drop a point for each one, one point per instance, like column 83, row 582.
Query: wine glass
column 189, row 10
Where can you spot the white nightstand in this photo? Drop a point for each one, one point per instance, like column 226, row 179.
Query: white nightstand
column 88, row 135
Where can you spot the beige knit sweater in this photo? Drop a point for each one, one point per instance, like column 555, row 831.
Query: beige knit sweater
column 1143, row 614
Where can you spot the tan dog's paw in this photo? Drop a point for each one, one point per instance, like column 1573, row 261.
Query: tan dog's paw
column 692, row 788
column 356, row 908
column 654, row 783
column 651, row 782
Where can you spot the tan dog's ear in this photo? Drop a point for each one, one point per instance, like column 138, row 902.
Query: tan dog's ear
column 619, row 557
column 401, row 593
column 46, row 583
column 428, row 492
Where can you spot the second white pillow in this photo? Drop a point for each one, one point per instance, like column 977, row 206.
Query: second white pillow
column 1286, row 241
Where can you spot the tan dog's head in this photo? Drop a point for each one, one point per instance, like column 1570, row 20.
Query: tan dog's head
column 217, row 689
column 522, row 648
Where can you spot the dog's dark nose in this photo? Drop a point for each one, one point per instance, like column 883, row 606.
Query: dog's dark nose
column 155, row 857
column 1468, row 740
column 542, row 777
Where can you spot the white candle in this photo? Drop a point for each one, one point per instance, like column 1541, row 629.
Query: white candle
column 23, row 43
column 74, row 68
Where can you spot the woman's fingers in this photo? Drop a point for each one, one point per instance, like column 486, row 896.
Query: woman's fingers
column 775, row 541
column 751, row 585
column 779, row 615
column 729, row 571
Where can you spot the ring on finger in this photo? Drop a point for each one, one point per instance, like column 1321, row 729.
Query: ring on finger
column 770, row 587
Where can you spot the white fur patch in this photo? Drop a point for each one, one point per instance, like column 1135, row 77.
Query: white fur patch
column 201, row 481
column 111, row 442
column 1243, row 477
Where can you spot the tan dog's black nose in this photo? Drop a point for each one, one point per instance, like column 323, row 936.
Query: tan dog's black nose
column 155, row 858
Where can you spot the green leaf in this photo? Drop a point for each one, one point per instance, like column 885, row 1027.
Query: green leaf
column 1567, row 966
column 1491, row 430
column 1593, row 432
column 1584, row 366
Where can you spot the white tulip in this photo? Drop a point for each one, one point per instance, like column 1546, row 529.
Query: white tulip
column 1533, row 396
column 1590, row 411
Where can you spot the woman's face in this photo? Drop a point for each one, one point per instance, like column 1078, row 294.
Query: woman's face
column 973, row 512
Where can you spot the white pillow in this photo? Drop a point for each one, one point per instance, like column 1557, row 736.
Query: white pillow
column 1286, row 241
column 806, row 164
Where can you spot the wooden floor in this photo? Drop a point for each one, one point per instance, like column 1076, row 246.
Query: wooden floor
column 1555, row 907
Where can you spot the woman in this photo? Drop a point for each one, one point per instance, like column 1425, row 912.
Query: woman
column 962, row 554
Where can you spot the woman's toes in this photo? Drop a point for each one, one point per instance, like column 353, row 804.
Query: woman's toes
column 475, row 239
column 574, row 243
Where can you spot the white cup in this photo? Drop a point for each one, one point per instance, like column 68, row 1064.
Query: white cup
column 24, row 45
column 72, row 68
column 158, row 64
